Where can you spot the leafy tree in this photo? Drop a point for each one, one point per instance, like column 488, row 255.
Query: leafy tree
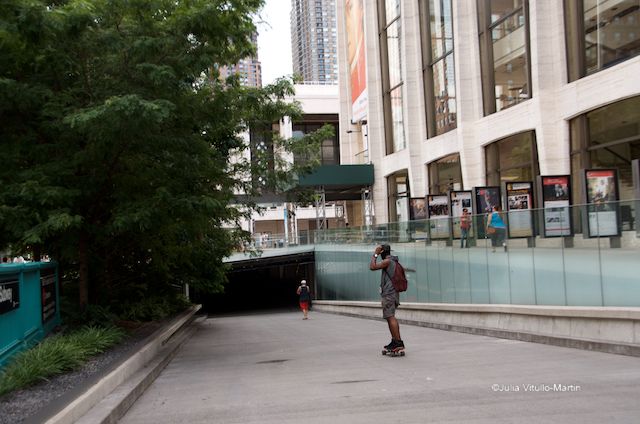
column 118, row 138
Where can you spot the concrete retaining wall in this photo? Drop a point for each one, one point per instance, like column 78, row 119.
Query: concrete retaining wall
column 605, row 329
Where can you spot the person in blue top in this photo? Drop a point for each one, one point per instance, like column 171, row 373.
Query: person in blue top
column 496, row 229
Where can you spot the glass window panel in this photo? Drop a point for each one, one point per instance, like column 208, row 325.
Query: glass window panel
column 516, row 174
column 502, row 8
column 514, row 159
column 392, row 9
column 444, row 91
column 441, row 27
column 515, row 150
column 509, row 63
column 397, row 119
column 393, row 51
column 611, row 31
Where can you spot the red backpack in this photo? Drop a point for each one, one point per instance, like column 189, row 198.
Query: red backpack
column 398, row 279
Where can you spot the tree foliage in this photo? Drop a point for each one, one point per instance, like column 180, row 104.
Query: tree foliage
column 118, row 139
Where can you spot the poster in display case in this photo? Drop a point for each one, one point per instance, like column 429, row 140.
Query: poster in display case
column 601, row 193
column 486, row 198
column 418, row 208
column 418, row 212
column 556, row 202
column 439, row 218
column 519, row 208
column 460, row 200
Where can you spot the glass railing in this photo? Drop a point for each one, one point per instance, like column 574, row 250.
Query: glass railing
column 585, row 255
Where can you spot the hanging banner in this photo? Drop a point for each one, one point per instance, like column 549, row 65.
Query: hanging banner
column 519, row 205
column 439, row 217
column 9, row 293
column 602, row 196
column 357, row 60
column 461, row 200
column 556, row 201
column 486, row 198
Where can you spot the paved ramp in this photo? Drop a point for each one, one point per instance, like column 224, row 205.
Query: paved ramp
column 278, row 368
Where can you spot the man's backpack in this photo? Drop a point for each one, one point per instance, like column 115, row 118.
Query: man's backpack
column 398, row 279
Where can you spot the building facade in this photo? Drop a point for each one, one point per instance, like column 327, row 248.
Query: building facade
column 444, row 95
column 249, row 69
column 281, row 222
column 314, row 40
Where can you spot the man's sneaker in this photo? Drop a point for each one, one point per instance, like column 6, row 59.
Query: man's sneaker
column 395, row 345
column 389, row 345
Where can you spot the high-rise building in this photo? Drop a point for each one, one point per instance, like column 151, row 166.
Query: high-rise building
column 314, row 40
column 248, row 69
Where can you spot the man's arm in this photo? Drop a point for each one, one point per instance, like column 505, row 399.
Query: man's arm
column 374, row 265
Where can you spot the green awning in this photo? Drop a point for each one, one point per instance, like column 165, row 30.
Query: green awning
column 340, row 182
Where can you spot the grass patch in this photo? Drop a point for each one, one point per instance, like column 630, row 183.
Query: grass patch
column 56, row 355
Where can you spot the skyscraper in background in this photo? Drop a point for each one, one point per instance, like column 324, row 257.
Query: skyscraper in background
column 249, row 69
column 314, row 40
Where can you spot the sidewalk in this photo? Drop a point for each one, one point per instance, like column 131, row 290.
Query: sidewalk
column 277, row 368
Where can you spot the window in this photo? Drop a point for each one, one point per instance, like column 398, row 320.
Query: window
column 600, row 34
column 398, row 197
column 504, row 53
column 445, row 174
column 514, row 158
column 438, row 66
column 329, row 150
column 608, row 137
column 392, row 70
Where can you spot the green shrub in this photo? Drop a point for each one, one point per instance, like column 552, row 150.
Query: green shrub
column 55, row 355
column 92, row 316
column 154, row 308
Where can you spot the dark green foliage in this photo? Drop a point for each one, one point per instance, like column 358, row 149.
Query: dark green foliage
column 117, row 139
column 153, row 308
column 56, row 355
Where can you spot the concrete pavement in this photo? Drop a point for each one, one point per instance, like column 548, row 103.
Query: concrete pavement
column 278, row 368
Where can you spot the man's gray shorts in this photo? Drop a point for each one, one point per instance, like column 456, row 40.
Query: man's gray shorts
column 389, row 304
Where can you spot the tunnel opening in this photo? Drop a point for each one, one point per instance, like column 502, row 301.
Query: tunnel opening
column 260, row 286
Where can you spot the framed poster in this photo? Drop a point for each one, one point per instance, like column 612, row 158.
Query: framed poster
column 438, row 207
column 601, row 186
column 9, row 293
column 556, row 201
column 418, row 208
column 48, row 292
column 460, row 200
column 486, row 198
column 519, row 208
column 635, row 172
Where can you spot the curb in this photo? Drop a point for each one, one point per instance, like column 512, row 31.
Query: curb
column 108, row 399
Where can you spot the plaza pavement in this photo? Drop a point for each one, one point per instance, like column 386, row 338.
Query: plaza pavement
column 274, row 367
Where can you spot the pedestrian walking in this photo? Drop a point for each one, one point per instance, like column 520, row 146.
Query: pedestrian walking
column 496, row 229
column 305, row 298
column 390, row 297
column 465, row 225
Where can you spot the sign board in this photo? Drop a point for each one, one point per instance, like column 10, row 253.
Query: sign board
column 486, row 198
column 519, row 207
column 439, row 218
column 48, row 294
column 418, row 208
column 601, row 189
column 556, row 201
column 9, row 293
column 459, row 201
